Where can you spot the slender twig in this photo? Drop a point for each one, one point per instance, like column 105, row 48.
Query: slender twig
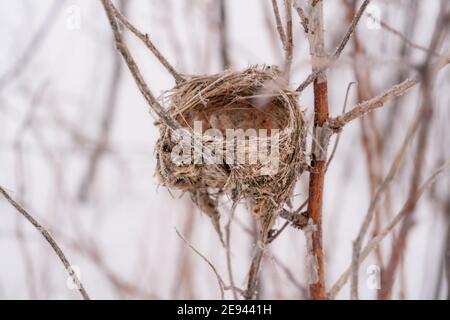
column 375, row 241
column 148, row 43
column 374, row 202
column 303, row 18
column 398, row 90
column 213, row 268
column 279, row 25
column 278, row 232
column 255, row 266
column 228, row 249
column 223, row 35
column 50, row 241
column 367, row 106
column 338, row 136
column 310, row 79
column 400, row 35
column 134, row 69
column 270, row 30
column 289, row 38
column 183, row 275
column 290, row 275
column 350, row 30
column 163, row 116
column 297, row 219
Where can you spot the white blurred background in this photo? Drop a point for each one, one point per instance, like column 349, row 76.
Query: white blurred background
column 77, row 150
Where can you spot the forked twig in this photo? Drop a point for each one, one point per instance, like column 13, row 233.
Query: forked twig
column 398, row 90
column 350, row 30
column 149, row 44
column 134, row 69
column 401, row 35
column 313, row 76
column 376, row 102
column 303, row 18
column 289, row 49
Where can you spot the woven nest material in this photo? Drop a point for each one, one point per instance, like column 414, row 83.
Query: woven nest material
column 255, row 98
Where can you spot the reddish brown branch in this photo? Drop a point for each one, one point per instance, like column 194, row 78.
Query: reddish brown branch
column 318, row 160
column 316, row 185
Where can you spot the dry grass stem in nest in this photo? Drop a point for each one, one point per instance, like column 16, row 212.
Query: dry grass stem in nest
column 262, row 159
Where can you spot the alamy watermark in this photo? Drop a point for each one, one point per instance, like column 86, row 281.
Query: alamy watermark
column 373, row 281
column 236, row 147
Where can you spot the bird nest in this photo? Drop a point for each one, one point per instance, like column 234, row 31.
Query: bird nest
column 228, row 120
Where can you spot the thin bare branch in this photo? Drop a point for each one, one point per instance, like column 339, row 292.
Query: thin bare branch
column 310, row 79
column 376, row 198
column 350, row 30
column 338, row 136
column 367, row 106
column 401, row 35
column 375, row 241
column 223, row 35
column 279, row 25
column 148, row 43
column 219, row 278
column 297, row 219
column 50, row 241
column 398, row 90
column 134, row 69
column 228, row 250
column 255, row 266
column 303, row 18
column 290, row 275
column 289, row 49
column 164, row 117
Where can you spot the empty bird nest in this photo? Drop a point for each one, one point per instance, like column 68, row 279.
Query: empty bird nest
column 243, row 135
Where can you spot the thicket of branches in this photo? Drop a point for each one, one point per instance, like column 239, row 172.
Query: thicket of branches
column 394, row 117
